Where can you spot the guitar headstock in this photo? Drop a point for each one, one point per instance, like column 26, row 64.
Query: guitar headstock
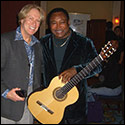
column 109, row 49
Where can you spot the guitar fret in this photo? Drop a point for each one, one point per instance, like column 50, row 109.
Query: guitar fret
column 93, row 62
column 90, row 66
column 87, row 69
column 67, row 87
column 80, row 74
column 83, row 73
column 71, row 84
column 75, row 80
column 97, row 60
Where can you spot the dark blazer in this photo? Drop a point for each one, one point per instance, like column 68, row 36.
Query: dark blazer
column 79, row 52
column 15, row 72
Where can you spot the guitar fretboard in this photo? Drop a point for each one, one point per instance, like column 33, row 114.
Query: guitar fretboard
column 84, row 72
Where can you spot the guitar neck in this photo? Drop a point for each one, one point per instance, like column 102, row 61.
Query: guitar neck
column 84, row 72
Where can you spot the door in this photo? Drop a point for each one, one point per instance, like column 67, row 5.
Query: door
column 96, row 32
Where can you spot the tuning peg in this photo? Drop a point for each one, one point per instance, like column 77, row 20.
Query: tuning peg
column 113, row 49
column 109, row 43
column 107, row 55
column 110, row 52
column 103, row 50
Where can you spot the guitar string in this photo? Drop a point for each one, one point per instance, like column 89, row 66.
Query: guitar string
column 69, row 85
column 82, row 73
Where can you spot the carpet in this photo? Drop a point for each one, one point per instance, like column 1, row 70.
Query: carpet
column 111, row 116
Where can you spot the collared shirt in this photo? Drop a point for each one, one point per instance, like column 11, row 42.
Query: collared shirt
column 30, row 54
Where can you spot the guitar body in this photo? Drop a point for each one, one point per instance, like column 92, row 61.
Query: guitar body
column 46, row 107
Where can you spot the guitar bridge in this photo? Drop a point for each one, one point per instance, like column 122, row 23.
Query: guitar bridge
column 44, row 107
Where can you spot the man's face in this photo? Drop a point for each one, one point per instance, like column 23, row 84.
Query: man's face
column 31, row 23
column 59, row 25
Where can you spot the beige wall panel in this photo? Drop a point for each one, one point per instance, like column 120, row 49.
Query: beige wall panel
column 97, row 9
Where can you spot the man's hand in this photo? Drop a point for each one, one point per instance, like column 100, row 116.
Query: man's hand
column 13, row 96
column 67, row 74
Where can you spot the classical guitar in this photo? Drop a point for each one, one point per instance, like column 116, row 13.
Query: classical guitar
column 48, row 105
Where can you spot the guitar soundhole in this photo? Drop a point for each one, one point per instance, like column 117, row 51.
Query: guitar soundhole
column 59, row 95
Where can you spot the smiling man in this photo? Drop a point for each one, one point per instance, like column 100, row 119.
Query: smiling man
column 20, row 65
column 65, row 53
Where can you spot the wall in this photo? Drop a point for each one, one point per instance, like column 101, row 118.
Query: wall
column 97, row 9
column 43, row 25
column 9, row 12
column 116, row 12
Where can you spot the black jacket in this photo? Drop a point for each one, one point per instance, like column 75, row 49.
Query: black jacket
column 79, row 52
column 15, row 72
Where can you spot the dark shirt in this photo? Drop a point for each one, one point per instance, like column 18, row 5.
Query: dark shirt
column 59, row 51
column 79, row 52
